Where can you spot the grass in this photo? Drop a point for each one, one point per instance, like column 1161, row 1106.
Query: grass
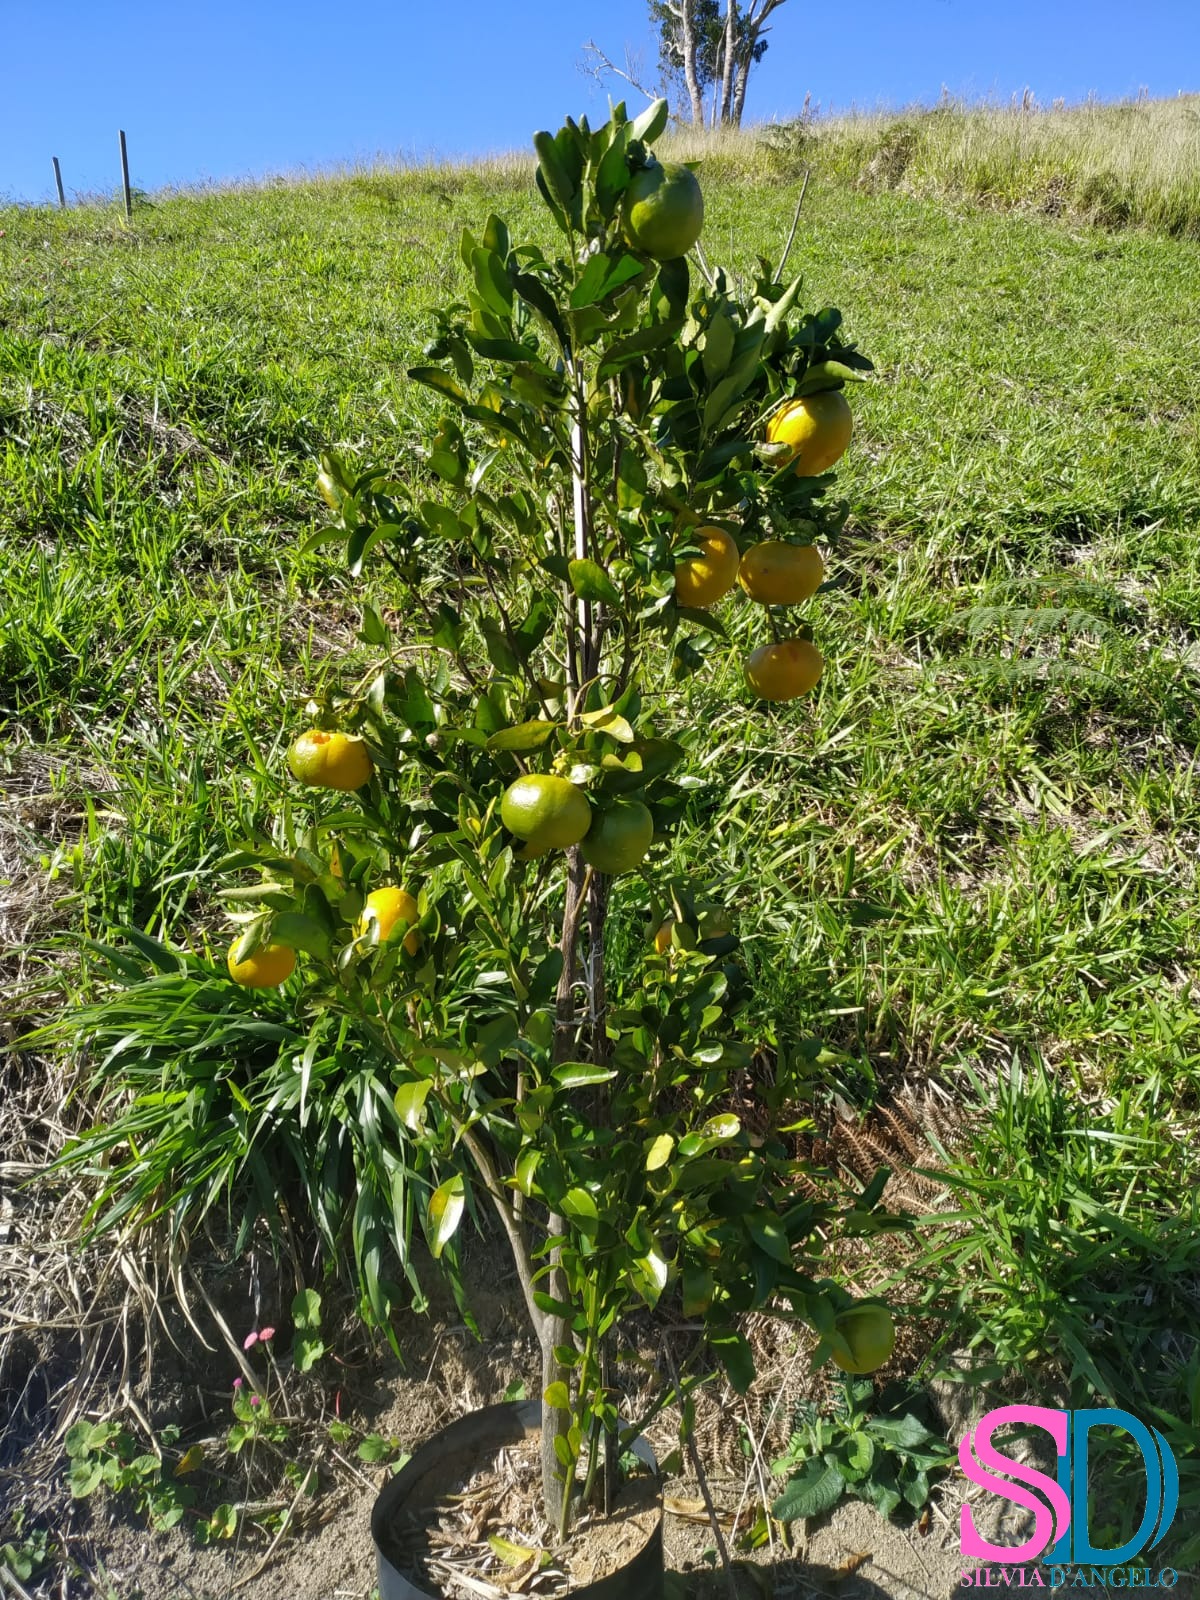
column 1112, row 164
column 972, row 854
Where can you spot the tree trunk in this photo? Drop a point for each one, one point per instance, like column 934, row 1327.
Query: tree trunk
column 554, row 1330
column 739, row 96
column 732, row 54
column 687, row 34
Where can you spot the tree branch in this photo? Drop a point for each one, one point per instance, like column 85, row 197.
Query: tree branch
column 601, row 65
column 516, row 1237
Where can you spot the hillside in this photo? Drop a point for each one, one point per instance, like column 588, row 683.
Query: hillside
column 969, row 862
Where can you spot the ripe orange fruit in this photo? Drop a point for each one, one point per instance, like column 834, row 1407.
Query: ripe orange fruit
column 548, row 812
column 702, row 580
column 619, row 837
column 663, row 210
column 713, row 922
column 784, row 671
column 871, row 1335
column 385, row 908
column 267, row 968
column 327, row 760
column 817, row 427
column 779, row 574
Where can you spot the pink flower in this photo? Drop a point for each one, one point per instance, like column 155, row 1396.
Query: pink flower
column 254, row 1399
column 265, row 1334
column 250, row 1339
column 237, row 1383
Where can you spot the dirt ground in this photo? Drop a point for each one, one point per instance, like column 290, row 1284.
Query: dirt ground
column 851, row 1554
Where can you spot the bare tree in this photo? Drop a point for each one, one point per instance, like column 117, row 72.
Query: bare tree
column 699, row 45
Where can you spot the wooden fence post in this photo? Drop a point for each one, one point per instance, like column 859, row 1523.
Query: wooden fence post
column 125, row 178
column 62, row 199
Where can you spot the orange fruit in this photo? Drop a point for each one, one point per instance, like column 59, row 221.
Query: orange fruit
column 871, row 1335
column 385, row 908
column 327, row 760
column 267, row 968
column 784, row 671
column 619, row 837
column 702, row 580
column 548, row 812
column 817, row 427
column 663, row 210
column 779, row 574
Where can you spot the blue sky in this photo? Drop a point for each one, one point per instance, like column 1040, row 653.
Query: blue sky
column 226, row 89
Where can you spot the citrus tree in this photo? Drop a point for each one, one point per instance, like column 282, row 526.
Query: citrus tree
column 620, row 442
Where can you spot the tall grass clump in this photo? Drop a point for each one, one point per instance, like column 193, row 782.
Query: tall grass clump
column 1123, row 164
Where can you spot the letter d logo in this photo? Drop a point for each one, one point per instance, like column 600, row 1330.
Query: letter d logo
column 1162, row 1489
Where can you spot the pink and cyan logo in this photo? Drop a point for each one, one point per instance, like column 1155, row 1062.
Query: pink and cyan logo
column 1059, row 1507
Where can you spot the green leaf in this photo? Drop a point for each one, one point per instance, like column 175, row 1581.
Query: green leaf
column 446, row 1205
column 590, row 582
column 698, row 1289
column 736, row 1357
column 524, row 736
column 492, row 281
column 307, row 1350
column 649, row 125
column 717, row 350
column 577, row 1074
column 591, row 281
column 860, row 1452
column 559, row 186
column 606, row 720
column 767, row 1234
column 373, row 629
column 828, row 375
column 409, row 1102
column 624, row 270
column 306, row 1309
column 223, row 1522
column 302, row 933
column 817, row 1490
column 650, row 1275
column 435, row 378
column 581, row 1208
column 658, row 1152
column 557, row 1397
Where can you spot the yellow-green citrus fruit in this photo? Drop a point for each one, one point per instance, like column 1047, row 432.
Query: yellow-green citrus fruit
column 702, row 580
column 662, row 939
column 779, row 574
column 817, row 427
column 267, row 968
column 327, row 760
column 784, row 671
column 619, row 837
column 548, row 812
column 871, row 1335
column 663, row 210
column 387, row 907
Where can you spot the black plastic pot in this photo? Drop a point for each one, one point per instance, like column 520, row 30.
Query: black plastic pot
column 452, row 1455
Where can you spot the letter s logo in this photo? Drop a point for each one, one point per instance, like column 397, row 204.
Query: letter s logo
column 976, row 1455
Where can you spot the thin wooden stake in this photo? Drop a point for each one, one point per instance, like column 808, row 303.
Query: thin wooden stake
column 62, row 199
column 125, row 178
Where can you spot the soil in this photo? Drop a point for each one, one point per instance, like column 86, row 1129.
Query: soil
column 444, row 1372
column 485, row 1535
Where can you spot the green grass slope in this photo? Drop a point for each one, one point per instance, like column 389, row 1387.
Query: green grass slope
column 971, row 855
